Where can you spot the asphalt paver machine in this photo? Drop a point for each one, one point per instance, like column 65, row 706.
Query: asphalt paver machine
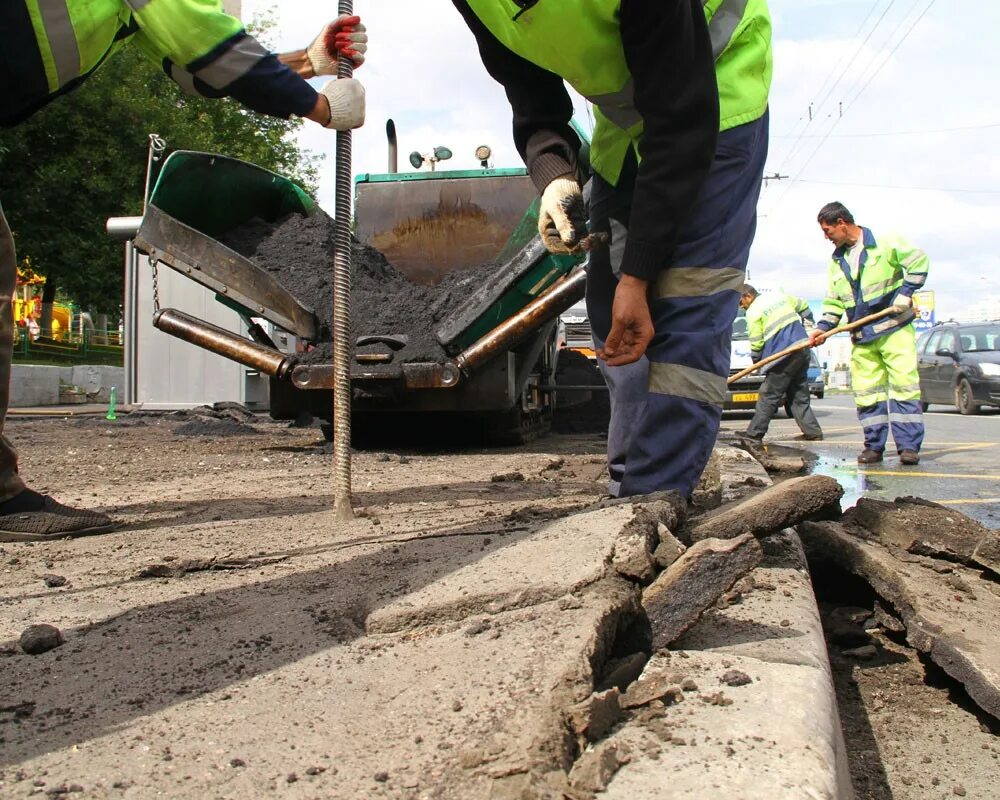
column 500, row 348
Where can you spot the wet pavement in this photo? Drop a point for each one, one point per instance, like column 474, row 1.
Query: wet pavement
column 959, row 466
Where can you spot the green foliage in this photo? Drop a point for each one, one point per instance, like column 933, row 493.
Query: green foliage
column 82, row 159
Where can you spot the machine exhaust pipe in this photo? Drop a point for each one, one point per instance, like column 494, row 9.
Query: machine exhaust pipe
column 552, row 303
column 224, row 343
column 390, row 134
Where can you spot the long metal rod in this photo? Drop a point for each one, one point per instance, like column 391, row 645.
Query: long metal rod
column 224, row 343
column 553, row 302
column 806, row 345
column 342, row 504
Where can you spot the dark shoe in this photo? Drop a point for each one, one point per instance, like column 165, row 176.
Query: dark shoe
column 32, row 517
column 868, row 456
column 805, row 437
column 751, row 436
column 909, row 457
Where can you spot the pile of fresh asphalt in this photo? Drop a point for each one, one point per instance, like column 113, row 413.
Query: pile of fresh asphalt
column 298, row 252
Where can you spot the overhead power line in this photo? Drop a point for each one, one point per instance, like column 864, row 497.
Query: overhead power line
column 838, row 64
column 893, row 186
column 892, row 133
column 822, row 141
column 891, row 53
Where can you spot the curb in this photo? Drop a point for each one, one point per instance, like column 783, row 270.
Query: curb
column 777, row 736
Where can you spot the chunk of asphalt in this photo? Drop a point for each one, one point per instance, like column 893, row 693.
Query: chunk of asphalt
column 708, row 493
column 38, row 639
column 928, row 529
column 670, row 508
column 781, row 506
column 961, row 637
column 669, row 549
column 887, row 619
column 633, row 554
column 621, row 672
column 595, row 716
column 654, row 686
column 694, row 582
column 597, row 766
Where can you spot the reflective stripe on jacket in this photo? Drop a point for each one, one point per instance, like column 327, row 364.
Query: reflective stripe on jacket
column 51, row 46
column 774, row 322
column 888, row 267
column 590, row 57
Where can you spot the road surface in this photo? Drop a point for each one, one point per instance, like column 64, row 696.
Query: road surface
column 959, row 464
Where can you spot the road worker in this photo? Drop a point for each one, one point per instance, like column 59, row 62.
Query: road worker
column 679, row 90
column 50, row 48
column 868, row 274
column 775, row 321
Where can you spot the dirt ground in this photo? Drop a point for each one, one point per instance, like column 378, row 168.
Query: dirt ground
column 231, row 592
column 912, row 733
column 230, row 580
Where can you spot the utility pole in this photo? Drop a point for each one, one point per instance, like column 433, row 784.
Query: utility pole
column 774, row 177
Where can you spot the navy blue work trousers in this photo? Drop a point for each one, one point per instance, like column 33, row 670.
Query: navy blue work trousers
column 666, row 408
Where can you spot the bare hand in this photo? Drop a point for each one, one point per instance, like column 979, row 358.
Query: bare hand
column 631, row 324
column 816, row 337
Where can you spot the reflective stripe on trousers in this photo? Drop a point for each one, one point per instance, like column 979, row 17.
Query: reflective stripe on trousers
column 10, row 483
column 666, row 408
column 887, row 390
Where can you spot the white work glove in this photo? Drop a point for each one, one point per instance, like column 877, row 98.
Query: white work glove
column 562, row 218
column 901, row 303
column 345, row 36
column 347, row 103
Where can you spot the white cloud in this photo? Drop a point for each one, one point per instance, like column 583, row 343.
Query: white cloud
column 423, row 70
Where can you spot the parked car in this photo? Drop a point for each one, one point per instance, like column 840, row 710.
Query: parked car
column 817, row 377
column 959, row 365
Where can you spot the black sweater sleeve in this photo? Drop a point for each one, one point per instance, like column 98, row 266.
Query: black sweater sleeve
column 669, row 54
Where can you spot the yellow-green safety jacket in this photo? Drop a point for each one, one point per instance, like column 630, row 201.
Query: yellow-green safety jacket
column 590, row 57
column 51, row 46
column 774, row 322
column 888, row 266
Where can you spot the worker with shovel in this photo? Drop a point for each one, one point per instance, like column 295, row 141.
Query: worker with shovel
column 50, row 48
column 680, row 91
column 775, row 321
column 868, row 275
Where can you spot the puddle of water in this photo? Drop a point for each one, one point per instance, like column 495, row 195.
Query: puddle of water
column 857, row 484
column 854, row 481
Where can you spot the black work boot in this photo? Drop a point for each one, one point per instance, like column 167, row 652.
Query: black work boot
column 869, row 456
column 33, row 517
column 909, row 457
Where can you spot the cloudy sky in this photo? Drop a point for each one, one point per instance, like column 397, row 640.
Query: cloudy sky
column 905, row 126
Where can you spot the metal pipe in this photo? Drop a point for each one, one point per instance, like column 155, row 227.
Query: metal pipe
column 390, row 133
column 224, row 343
column 342, row 506
column 121, row 229
column 553, row 302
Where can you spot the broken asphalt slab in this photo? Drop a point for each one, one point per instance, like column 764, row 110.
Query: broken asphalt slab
column 780, row 506
column 695, row 581
column 928, row 529
column 954, row 616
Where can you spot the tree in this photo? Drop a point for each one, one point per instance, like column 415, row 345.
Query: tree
column 82, row 159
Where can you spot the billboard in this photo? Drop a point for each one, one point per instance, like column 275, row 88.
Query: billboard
column 923, row 305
